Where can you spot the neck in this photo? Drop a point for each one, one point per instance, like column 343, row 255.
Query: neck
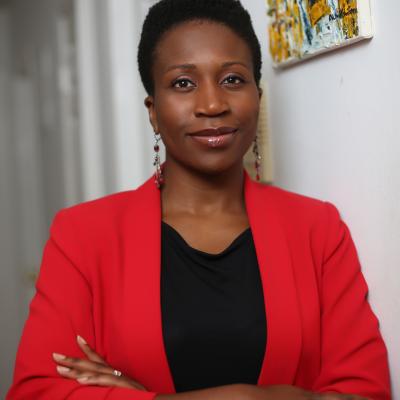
column 188, row 191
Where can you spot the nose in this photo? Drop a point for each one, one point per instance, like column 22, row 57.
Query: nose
column 211, row 100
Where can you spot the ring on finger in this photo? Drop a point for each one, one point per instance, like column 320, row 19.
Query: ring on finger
column 117, row 373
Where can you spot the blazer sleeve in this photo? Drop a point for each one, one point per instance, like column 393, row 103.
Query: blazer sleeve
column 353, row 354
column 60, row 309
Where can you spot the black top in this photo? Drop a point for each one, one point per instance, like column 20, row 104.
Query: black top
column 213, row 315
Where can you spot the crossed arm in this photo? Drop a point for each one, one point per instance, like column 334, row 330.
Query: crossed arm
column 95, row 371
column 56, row 316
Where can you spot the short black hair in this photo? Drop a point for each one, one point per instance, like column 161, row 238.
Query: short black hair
column 167, row 14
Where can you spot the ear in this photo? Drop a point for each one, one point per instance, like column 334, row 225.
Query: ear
column 149, row 103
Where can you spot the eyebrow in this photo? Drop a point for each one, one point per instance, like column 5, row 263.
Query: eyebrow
column 193, row 66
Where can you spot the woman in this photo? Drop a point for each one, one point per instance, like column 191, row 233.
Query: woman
column 206, row 284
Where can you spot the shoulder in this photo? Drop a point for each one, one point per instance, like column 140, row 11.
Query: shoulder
column 111, row 209
column 108, row 205
column 99, row 212
column 97, row 223
column 293, row 206
column 93, row 230
column 307, row 221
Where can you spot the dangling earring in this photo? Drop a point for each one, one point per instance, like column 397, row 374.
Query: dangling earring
column 257, row 163
column 159, row 176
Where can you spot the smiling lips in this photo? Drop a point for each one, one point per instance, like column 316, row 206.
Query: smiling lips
column 214, row 137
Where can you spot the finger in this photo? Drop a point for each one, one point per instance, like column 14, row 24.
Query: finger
column 81, row 365
column 71, row 373
column 109, row 380
column 92, row 378
column 91, row 354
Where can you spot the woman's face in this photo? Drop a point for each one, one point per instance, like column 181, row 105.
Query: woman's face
column 206, row 101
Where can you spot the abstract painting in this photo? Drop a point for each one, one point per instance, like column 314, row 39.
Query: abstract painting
column 299, row 29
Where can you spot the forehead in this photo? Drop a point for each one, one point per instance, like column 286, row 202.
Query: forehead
column 200, row 42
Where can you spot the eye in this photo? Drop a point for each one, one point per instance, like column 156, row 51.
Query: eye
column 233, row 80
column 182, row 83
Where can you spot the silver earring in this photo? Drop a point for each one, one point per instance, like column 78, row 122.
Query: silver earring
column 159, row 179
column 257, row 163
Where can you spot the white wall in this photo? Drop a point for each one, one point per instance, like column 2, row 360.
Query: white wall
column 334, row 126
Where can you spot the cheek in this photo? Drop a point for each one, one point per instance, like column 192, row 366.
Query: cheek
column 246, row 111
column 173, row 115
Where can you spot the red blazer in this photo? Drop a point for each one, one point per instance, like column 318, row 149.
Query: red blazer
column 100, row 278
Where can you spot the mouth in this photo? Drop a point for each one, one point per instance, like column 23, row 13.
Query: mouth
column 214, row 137
column 223, row 130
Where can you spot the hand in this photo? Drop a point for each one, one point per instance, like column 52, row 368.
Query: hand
column 93, row 371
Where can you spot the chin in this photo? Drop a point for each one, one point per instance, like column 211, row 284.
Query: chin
column 212, row 165
column 214, row 169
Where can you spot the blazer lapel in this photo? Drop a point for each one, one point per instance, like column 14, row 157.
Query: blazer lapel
column 281, row 305
column 146, row 345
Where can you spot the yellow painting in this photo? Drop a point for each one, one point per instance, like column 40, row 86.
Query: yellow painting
column 302, row 28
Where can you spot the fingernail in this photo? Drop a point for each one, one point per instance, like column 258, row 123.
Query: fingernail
column 62, row 370
column 59, row 357
column 81, row 340
column 83, row 379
